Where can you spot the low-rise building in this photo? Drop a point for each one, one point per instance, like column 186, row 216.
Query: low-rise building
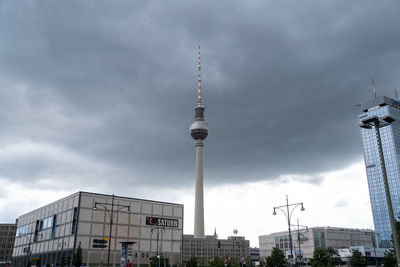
column 7, row 236
column 204, row 249
column 254, row 256
column 51, row 234
column 305, row 241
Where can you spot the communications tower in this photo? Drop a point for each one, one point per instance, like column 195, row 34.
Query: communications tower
column 199, row 132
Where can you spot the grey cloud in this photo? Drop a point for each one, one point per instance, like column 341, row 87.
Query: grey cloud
column 342, row 203
column 116, row 83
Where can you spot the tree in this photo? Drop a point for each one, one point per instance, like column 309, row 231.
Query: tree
column 334, row 257
column 357, row 259
column 321, row 258
column 78, row 256
column 192, row 262
column 63, row 261
column 217, row 262
column 263, row 262
column 233, row 263
column 389, row 260
column 153, row 261
column 277, row 258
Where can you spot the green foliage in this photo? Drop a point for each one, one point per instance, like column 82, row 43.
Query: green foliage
column 153, row 261
column 63, row 261
column 77, row 262
column 233, row 263
column 217, row 262
column 321, row 258
column 263, row 262
column 389, row 260
column 334, row 257
column 357, row 259
column 192, row 262
column 277, row 259
column 325, row 257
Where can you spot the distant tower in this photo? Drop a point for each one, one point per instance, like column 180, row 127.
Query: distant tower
column 199, row 132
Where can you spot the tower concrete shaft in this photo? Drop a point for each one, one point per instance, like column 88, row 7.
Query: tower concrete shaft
column 199, row 202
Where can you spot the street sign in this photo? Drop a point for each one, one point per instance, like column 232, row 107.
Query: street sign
column 100, row 243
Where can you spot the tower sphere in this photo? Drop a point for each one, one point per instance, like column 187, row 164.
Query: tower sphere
column 199, row 130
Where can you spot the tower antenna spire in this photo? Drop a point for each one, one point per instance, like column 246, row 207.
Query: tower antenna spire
column 199, row 82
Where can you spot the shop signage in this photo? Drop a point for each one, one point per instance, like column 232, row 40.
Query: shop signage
column 155, row 221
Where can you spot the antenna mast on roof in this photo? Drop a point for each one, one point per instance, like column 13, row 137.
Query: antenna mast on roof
column 373, row 87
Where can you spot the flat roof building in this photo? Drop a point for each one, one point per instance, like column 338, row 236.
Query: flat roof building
column 50, row 233
column 7, row 236
column 204, row 249
column 315, row 237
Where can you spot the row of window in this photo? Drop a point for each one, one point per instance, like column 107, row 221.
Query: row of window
column 22, row 230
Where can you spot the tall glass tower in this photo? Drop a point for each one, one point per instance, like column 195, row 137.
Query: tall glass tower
column 390, row 136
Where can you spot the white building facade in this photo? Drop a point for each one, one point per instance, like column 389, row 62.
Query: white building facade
column 305, row 241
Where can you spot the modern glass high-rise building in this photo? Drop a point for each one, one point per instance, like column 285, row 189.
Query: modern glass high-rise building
column 390, row 137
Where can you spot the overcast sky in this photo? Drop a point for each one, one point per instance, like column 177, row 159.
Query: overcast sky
column 99, row 95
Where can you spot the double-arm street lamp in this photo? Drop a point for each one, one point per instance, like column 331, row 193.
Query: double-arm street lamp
column 376, row 123
column 298, row 228
column 288, row 214
column 157, row 231
column 111, row 210
column 28, row 249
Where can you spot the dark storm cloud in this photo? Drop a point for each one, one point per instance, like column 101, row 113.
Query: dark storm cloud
column 105, row 89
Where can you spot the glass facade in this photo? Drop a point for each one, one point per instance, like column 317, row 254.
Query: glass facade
column 390, row 137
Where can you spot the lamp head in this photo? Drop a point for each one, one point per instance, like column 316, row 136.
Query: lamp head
column 274, row 213
column 128, row 211
column 302, row 207
column 94, row 208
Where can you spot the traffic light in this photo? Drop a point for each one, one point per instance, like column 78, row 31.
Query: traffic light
column 219, row 244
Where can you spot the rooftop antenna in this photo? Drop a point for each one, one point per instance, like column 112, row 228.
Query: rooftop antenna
column 395, row 93
column 199, row 83
column 373, row 87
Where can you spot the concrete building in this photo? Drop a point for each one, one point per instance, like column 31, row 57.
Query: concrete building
column 204, row 249
column 315, row 237
column 254, row 256
column 7, row 237
column 57, row 229
column 390, row 137
column 199, row 132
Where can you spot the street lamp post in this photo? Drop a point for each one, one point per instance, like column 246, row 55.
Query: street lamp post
column 376, row 123
column 241, row 248
column 28, row 249
column 288, row 214
column 157, row 230
column 111, row 213
column 298, row 238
